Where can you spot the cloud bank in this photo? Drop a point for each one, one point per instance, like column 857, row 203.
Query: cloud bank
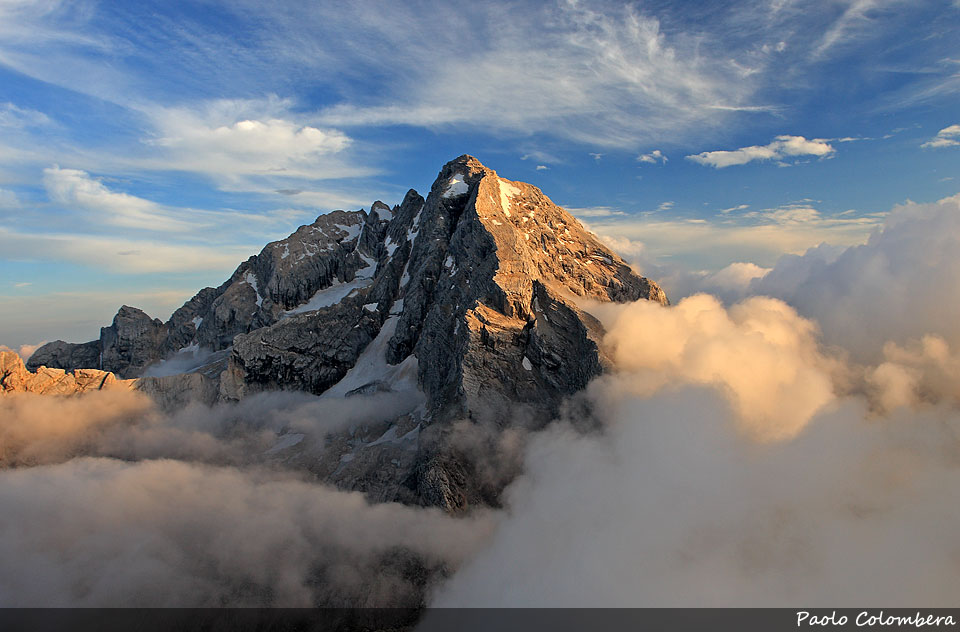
column 771, row 451
column 742, row 461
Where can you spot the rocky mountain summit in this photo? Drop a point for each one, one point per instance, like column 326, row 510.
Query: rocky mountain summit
column 467, row 298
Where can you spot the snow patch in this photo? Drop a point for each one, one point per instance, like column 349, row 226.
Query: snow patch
column 286, row 251
column 390, row 436
column 352, row 230
column 284, row 442
column 251, row 279
column 391, row 246
column 330, row 295
column 370, row 307
column 372, row 366
column 507, row 191
column 526, row 363
column 196, row 322
column 456, row 186
column 370, row 267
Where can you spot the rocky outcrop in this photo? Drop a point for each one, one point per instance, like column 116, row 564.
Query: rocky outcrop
column 66, row 355
column 16, row 378
column 473, row 297
column 169, row 393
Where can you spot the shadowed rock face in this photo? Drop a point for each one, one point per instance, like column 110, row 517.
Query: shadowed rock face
column 467, row 296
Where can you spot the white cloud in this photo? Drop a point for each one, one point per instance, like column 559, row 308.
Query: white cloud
column 542, row 167
column 781, row 148
column 947, row 137
column 900, row 285
column 247, row 138
column 653, row 157
column 75, row 189
column 732, row 209
column 605, row 76
column 13, row 116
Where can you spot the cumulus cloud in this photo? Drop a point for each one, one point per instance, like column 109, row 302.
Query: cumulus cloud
column 947, row 137
column 653, row 157
column 730, row 284
column 741, row 461
column 759, row 352
column 669, row 507
column 248, row 138
column 900, row 285
column 782, row 148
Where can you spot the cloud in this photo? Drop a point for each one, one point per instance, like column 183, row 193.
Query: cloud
column 247, row 138
column 901, row 282
column 13, row 116
column 542, row 167
column 24, row 351
column 947, row 137
column 736, row 460
column 742, row 350
column 732, row 209
column 599, row 75
column 594, row 211
column 669, row 507
column 781, row 148
column 760, row 237
column 730, row 284
column 196, row 508
column 73, row 188
column 169, row 533
column 653, row 157
column 121, row 255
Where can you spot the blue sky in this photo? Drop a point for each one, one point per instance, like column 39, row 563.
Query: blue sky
column 147, row 148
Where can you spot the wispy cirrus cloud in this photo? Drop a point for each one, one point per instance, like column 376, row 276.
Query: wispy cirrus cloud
column 780, row 149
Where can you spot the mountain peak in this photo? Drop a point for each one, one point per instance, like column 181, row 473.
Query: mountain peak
column 467, row 298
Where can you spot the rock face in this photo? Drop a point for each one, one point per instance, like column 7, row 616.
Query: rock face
column 169, row 392
column 469, row 296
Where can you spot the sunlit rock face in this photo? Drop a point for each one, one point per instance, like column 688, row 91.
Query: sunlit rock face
column 467, row 298
column 169, row 392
